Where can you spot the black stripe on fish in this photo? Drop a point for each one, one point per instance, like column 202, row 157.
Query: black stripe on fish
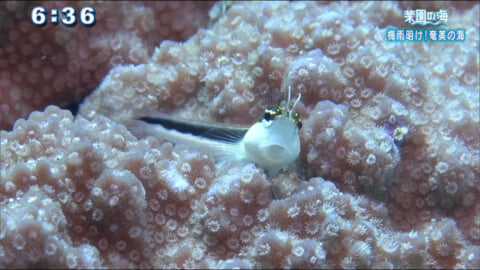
column 212, row 131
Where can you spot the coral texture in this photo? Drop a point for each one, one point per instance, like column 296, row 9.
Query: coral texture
column 60, row 65
column 390, row 151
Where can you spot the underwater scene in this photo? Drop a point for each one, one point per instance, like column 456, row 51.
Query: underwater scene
column 239, row 135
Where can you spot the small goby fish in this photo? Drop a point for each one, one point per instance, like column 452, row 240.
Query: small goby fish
column 272, row 143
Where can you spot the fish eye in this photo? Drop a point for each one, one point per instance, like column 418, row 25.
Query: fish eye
column 297, row 119
column 270, row 114
column 267, row 116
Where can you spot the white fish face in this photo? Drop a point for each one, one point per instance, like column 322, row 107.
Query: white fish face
column 272, row 144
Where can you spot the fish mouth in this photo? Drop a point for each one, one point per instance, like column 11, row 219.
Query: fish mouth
column 275, row 152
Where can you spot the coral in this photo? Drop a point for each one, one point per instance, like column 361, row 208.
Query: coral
column 125, row 207
column 357, row 159
column 41, row 234
column 387, row 177
column 61, row 65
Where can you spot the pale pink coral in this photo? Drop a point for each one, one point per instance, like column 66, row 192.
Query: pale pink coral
column 41, row 235
column 60, row 65
column 100, row 192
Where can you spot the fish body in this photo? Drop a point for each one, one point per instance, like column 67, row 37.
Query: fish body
column 272, row 143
